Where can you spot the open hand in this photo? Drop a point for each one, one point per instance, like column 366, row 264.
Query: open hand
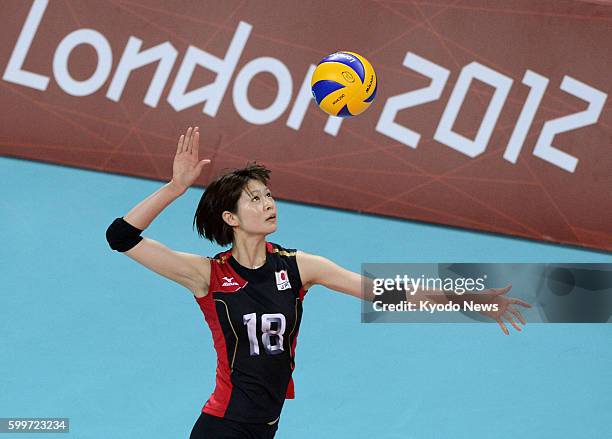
column 505, row 308
column 186, row 167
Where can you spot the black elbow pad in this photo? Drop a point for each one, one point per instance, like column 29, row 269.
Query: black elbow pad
column 122, row 236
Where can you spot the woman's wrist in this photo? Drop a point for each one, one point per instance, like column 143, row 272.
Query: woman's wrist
column 176, row 188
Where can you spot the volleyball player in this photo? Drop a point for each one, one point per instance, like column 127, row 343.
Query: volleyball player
column 251, row 295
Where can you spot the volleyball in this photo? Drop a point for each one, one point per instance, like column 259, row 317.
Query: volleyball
column 344, row 84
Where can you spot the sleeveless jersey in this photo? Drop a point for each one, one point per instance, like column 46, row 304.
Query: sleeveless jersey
column 254, row 316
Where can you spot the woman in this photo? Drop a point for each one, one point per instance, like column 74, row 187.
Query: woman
column 251, row 295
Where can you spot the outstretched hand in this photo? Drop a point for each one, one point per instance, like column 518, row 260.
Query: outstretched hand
column 505, row 310
column 186, row 167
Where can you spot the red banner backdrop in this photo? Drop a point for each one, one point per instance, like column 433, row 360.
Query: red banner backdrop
column 489, row 115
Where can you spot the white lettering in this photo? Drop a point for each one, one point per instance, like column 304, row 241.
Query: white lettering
column 469, row 305
column 403, row 306
column 283, row 94
column 444, row 132
column 438, row 307
column 302, row 101
column 14, row 72
column 538, row 86
column 133, row 59
column 377, row 284
column 212, row 94
column 544, row 148
column 386, row 123
column 62, row 53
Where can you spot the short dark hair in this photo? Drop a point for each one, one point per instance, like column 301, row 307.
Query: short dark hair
column 220, row 195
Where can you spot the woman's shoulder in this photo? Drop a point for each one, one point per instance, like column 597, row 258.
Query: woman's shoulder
column 281, row 250
column 220, row 257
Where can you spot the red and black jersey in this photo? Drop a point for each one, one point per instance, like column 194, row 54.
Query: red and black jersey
column 254, row 316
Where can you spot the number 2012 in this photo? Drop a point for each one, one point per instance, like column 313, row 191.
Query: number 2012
column 544, row 148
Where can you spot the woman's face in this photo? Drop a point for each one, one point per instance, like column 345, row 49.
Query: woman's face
column 256, row 210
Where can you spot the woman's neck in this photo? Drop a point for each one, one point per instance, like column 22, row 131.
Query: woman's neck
column 250, row 252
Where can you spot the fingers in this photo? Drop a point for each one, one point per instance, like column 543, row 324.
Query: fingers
column 189, row 142
column 180, row 144
column 195, row 142
column 202, row 163
column 500, row 291
column 512, row 322
column 185, row 141
column 501, row 324
column 191, row 138
column 520, row 302
column 517, row 314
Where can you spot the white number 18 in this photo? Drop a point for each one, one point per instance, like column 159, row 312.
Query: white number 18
column 250, row 320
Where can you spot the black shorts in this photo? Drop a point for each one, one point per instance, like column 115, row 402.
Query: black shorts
column 213, row 427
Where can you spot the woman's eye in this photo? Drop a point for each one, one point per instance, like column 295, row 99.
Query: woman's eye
column 269, row 195
column 255, row 198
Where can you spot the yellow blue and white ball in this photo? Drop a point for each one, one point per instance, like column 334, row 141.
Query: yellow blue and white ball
column 344, row 84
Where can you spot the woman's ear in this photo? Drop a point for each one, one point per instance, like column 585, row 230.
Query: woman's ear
column 230, row 218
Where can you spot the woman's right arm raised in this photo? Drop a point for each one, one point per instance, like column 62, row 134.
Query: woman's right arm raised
column 191, row 271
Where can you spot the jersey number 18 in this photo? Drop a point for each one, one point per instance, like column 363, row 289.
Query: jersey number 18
column 272, row 345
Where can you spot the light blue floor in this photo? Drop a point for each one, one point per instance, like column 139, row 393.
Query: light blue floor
column 86, row 333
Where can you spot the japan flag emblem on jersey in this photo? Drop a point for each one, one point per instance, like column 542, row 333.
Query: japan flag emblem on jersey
column 282, row 280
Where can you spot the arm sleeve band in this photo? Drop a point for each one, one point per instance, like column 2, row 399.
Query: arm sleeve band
column 122, row 236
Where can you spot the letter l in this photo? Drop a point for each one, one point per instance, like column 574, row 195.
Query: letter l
column 14, row 72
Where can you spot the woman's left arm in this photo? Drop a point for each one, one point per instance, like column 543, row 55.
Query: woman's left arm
column 317, row 270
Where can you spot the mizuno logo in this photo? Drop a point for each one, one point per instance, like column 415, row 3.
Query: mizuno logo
column 229, row 282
